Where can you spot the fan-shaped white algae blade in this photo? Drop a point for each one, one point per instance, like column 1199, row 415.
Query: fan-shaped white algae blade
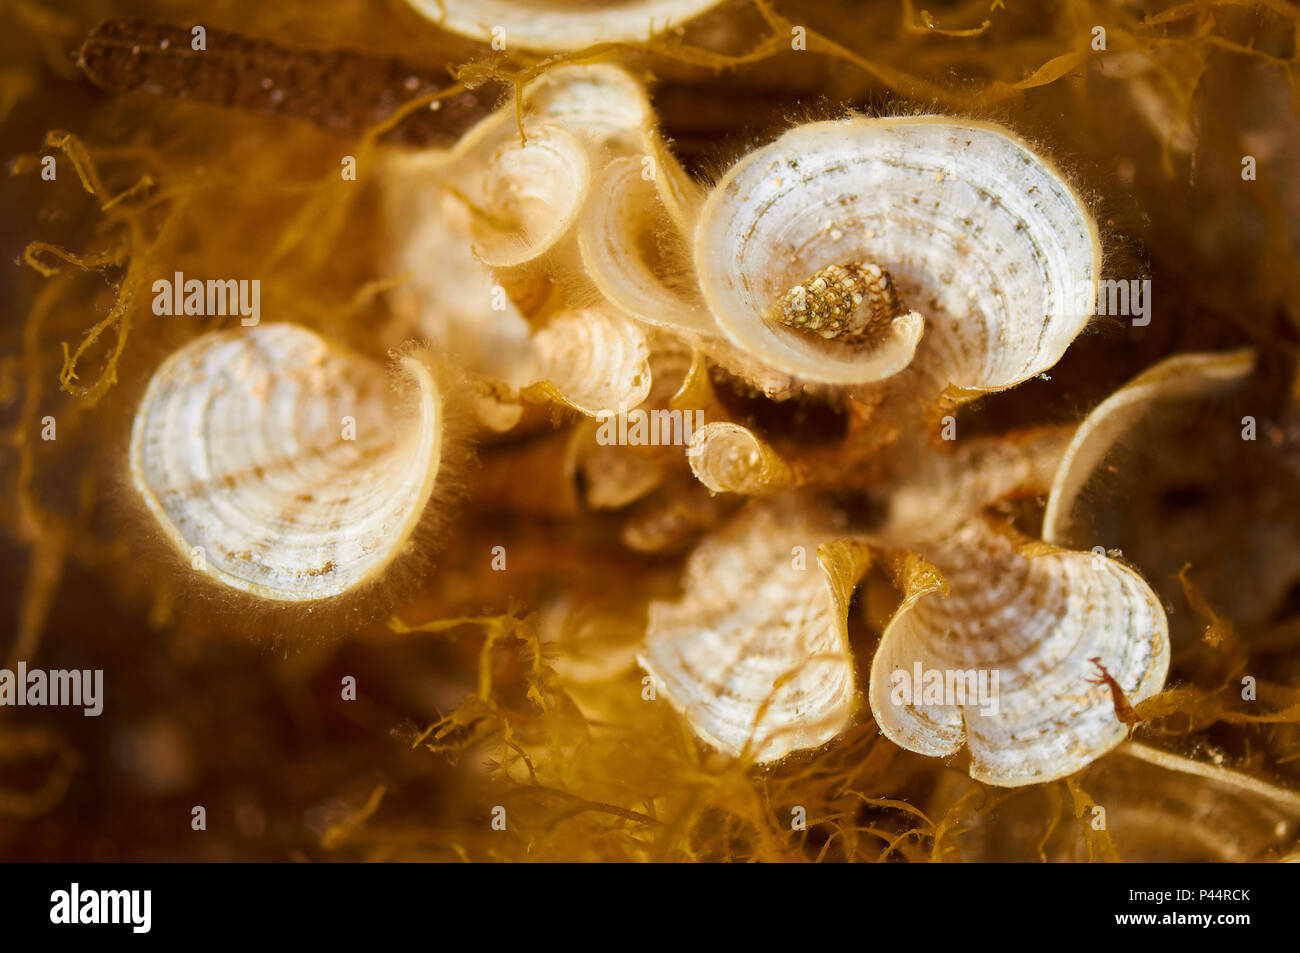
column 624, row 207
column 282, row 466
column 552, row 25
column 1180, row 377
column 933, row 493
column 756, row 653
column 980, row 236
column 594, row 361
column 533, row 192
column 452, row 295
column 600, row 101
column 1028, row 626
column 730, row 458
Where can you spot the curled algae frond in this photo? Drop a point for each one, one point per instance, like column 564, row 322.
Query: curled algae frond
column 592, row 361
column 550, row 25
column 729, row 458
column 1033, row 623
column 1180, row 377
column 532, row 189
column 282, row 466
column 530, row 196
column 931, row 494
column 626, row 207
column 449, row 297
column 972, row 227
column 756, row 654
